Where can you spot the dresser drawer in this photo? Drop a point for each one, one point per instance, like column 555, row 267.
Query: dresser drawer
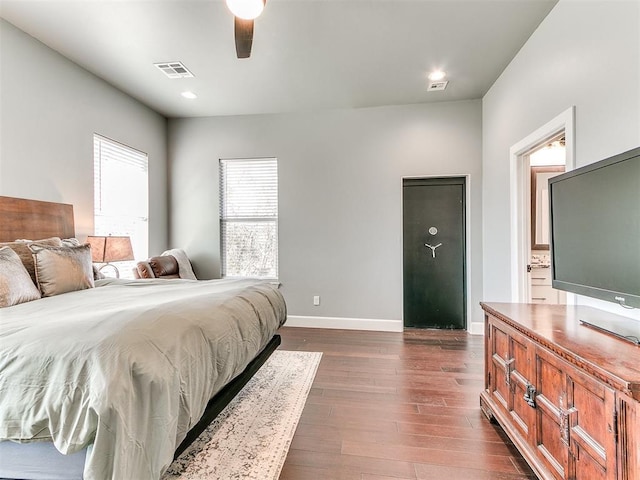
column 543, row 294
column 540, row 276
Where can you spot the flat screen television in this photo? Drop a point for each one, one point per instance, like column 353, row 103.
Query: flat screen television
column 595, row 229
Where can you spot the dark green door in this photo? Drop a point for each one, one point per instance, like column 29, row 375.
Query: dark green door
column 434, row 252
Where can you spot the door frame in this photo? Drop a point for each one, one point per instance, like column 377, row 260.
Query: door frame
column 519, row 195
column 467, row 253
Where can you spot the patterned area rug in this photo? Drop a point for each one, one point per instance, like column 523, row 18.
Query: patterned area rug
column 251, row 436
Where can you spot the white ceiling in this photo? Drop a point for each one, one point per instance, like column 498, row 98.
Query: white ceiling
column 307, row 54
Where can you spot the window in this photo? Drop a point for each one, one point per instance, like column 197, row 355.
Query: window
column 121, row 195
column 249, row 217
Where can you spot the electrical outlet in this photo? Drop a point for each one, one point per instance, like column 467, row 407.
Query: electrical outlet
column 316, row 300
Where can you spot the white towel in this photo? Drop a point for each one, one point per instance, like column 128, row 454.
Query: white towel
column 184, row 265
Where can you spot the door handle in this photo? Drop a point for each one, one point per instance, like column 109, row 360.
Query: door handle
column 433, row 249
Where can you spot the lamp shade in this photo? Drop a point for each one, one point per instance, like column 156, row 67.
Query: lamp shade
column 110, row 249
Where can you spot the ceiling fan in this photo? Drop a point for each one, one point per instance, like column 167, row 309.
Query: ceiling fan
column 244, row 11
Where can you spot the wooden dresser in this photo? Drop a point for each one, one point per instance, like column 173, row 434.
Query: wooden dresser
column 566, row 395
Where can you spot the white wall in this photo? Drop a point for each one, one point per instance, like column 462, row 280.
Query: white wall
column 340, row 207
column 49, row 111
column 584, row 54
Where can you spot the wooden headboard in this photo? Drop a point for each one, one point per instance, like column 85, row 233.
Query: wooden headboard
column 34, row 219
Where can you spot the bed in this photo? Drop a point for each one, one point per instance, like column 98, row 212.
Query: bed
column 115, row 381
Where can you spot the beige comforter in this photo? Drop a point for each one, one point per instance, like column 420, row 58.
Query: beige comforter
column 127, row 366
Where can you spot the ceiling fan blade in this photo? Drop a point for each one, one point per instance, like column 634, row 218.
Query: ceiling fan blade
column 244, row 37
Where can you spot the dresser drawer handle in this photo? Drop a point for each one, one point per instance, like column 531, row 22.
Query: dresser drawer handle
column 508, row 368
column 530, row 395
column 565, row 424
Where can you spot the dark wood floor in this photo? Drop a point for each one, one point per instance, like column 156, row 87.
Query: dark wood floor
column 395, row 406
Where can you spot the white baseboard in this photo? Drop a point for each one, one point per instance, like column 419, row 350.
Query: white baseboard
column 477, row 328
column 377, row 325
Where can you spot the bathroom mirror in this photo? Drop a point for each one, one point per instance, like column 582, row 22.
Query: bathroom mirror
column 540, row 205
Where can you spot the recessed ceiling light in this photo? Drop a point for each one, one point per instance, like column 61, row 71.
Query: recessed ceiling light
column 437, row 75
column 189, row 95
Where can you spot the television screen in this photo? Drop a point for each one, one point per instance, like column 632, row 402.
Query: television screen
column 595, row 229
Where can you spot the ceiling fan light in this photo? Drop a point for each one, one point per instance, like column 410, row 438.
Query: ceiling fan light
column 246, row 9
column 437, row 75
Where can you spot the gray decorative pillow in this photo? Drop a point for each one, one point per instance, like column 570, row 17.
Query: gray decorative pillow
column 15, row 284
column 97, row 274
column 21, row 247
column 70, row 242
column 62, row 269
column 74, row 242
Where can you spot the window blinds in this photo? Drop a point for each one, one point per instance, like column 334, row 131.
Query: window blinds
column 120, row 178
column 249, row 217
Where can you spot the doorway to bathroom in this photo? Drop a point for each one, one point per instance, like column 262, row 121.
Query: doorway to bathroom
column 546, row 152
column 545, row 161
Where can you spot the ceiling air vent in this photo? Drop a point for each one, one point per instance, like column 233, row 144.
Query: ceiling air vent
column 174, row 70
column 435, row 86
